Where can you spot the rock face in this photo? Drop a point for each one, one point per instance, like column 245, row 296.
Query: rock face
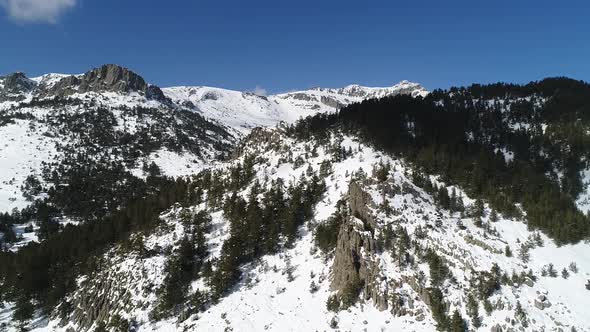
column 104, row 298
column 331, row 102
column 355, row 257
column 360, row 203
column 541, row 302
column 107, row 78
column 18, row 83
column 259, row 137
column 14, row 86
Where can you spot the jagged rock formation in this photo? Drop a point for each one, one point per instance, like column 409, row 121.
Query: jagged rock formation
column 99, row 303
column 108, row 77
column 258, row 137
column 18, row 83
column 355, row 257
column 14, row 86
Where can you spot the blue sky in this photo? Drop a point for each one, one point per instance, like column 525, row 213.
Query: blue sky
column 281, row 46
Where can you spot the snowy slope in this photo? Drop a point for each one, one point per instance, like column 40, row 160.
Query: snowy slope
column 243, row 111
column 37, row 129
column 265, row 299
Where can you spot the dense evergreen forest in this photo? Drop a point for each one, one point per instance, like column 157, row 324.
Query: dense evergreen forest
column 40, row 275
column 461, row 134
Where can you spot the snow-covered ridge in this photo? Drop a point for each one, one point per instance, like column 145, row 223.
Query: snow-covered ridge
column 49, row 80
column 403, row 87
column 237, row 110
column 243, row 111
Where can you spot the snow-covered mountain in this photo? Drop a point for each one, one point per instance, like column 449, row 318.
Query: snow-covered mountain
column 243, row 111
column 289, row 290
column 201, row 209
column 26, row 102
column 107, row 115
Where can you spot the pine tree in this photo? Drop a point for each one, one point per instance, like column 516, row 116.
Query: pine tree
column 520, row 314
column 473, row 310
column 523, row 253
column 565, row 274
column 507, row 251
column 487, row 306
column 478, row 209
column 551, row 270
column 457, row 322
column 24, row 310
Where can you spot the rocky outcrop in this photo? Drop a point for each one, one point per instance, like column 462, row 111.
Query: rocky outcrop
column 355, row 257
column 18, row 83
column 302, row 96
column 14, row 86
column 361, row 204
column 331, row 102
column 107, row 78
column 100, row 300
column 111, row 290
column 541, row 302
column 98, row 305
column 259, row 137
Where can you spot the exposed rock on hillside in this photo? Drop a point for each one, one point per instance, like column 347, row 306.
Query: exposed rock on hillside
column 356, row 250
column 109, row 77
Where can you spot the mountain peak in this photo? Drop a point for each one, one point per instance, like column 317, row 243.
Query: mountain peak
column 114, row 77
column 365, row 92
column 18, row 82
column 107, row 78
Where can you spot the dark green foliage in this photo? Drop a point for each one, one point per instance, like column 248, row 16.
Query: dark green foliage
column 507, row 251
column 487, row 306
column 382, row 172
column 31, row 187
column 520, row 314
column 458, row 136
column 6, row 227
column 443, row 199
column 438, row 269
column 257, row 229
column 351, row 292
column 565, row 274
column 24, row 310
column 46, row 271
column 488, row 282
column 333, row 303
column 493, row 216
column 473, row 310
column 326, row 233
column 457, row 323
column 437, row 306
column 181, row 268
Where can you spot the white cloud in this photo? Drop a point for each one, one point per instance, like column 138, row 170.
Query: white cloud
column 258, row 90
column 36, row 11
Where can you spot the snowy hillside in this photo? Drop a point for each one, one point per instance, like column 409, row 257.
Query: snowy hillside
column 289, row 291
column 28, row 102
column 126, row 207
column 243, row 111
